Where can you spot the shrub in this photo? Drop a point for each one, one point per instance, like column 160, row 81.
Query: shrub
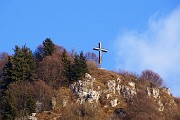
column 154, row 78
column 50, row 70
column 42, row 93
column 142, row 108
column 84, row 111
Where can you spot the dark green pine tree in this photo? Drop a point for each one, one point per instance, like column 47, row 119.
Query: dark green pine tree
column 21, row 66
column 49, row 47
column 83, row 63
column 79, row 67
column 7, row 74
column 75, row 71
column 66, row 67
column 9, row 110
column 24, row 63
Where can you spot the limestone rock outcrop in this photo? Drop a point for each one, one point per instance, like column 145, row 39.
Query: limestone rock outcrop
column 87, row 91
column 84, row 90
column 153, row 92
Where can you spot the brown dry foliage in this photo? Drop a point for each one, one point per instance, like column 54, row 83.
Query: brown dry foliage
column 42, row 93
column 84, row 111
column 38, row 90
column 90, row 56
column 19, row 92
column 3, row 60
column 143, row 108
column 63, row 93
column 154, row 78
column 178, row 109
column 50, row 71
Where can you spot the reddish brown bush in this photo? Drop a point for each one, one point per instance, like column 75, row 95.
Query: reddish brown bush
column 84, row 111
column 3, row 60
column 20, row 93
column 143, row 108
column 50, row 71
column 26, row 94
column 42, row 93
column 90, row 56
column 152, row 77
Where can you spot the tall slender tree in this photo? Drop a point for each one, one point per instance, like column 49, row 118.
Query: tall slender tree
column 83, row 63
column 46, row 49
column 7, row 74
column 66, row 66
column 49, row 47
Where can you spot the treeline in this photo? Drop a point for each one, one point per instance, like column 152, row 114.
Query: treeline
column 28, row 79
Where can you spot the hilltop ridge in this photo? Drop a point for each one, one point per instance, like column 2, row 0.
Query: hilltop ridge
column 111, row 95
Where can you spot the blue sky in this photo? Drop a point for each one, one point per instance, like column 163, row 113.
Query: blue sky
column 139, row 34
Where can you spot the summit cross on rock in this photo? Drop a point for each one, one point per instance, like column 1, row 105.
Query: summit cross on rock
column 100, row 49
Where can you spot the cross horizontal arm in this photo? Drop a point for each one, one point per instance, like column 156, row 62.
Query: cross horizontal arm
column 104, row 50
column 95, row 48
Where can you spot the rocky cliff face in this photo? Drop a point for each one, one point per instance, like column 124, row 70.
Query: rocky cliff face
column 87, row 91
column 114, row 92
column 111, row 94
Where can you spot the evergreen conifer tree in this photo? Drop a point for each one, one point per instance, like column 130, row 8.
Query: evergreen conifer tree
column 49, row 47
column 75, row 72
column 79, row 67
column 66, row 66
column 83, row 63
column 46, row 49
column 9, row 111
column 20, row 66
column 24, row 63
column 7, row 73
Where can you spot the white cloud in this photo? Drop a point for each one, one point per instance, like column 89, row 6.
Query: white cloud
column 157, row 48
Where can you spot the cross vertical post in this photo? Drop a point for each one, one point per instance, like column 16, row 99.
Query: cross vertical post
column 100, row 49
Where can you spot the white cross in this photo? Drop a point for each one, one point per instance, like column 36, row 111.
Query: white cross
column 100, row 49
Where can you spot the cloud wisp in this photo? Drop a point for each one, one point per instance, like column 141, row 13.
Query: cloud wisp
column 156, row 48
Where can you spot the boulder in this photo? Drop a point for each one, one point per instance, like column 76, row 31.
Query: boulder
column 161, row 106
column 88, row 76
column 107, row 96
column 148, row 91
column 64, row 102
column 118, row 88
column 128, row 92
column 111, row 84
column 53, row 101
column 84, row 90
column 118, row 80
column 32, row 117
column 166, row 90
column 114, row 102
column 155, row 92
column 131, row 84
